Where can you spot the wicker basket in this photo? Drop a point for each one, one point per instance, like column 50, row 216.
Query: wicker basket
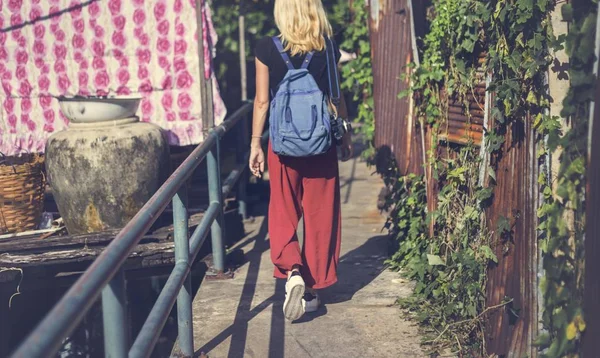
column 22, row 188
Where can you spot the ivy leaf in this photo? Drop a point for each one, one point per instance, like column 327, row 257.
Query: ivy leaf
column 507, row 106
column 492, row 173
column 405, row 93
column 488, row 253
column 435, row 260
column 519, row 40
column 485, row 194
column 531, row 98
column 542, row 5
column 503, row 225
column 497, row 114
column 543, row 341
column 567, row 12
column 580, row 323
column 494, row 142
column 468, row 45
column 571, row 332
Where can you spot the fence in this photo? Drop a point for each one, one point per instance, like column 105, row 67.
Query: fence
column 106, row 275
column 397, row 135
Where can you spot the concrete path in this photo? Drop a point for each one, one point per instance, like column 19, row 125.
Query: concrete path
column 243, row 317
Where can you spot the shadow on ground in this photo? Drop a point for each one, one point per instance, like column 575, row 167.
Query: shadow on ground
column 357, row 269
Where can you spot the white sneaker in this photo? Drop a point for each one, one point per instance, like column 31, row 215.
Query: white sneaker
column 293, row 307
column 311, row 302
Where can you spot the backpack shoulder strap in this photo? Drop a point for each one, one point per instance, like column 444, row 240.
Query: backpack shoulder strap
column 284, row 55
column 334, row 84
column 307, row 60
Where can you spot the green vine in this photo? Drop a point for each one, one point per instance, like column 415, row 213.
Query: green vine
column 259, row 22
column 450, row 266
column 562, row 216
column 357, row 75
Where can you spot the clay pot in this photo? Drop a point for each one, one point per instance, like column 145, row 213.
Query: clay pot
column 103, row 169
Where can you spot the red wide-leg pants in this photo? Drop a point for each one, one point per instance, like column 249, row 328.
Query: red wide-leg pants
column 307, row 188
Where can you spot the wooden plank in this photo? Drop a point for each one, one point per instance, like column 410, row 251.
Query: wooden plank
column 35, row 244
column 141, row 256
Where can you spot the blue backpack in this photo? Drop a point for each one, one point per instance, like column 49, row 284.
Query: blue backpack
column 300, row 124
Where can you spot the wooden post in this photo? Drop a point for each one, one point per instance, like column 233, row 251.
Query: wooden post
column 242, row 34
column 242, row 143
column 206, row 94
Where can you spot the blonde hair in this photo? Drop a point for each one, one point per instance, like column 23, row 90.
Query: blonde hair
column 302, row 24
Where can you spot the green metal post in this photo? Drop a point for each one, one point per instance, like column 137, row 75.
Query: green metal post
column 215, row 195
column 114, row 315
column 182, row 256
column 242, row 144
column 242, row 147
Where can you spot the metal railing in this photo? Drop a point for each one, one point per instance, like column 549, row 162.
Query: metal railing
column 106, row 275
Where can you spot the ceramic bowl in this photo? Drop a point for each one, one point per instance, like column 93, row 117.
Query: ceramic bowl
column 98, row 109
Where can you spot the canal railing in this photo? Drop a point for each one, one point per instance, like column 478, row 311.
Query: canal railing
column 106, row 277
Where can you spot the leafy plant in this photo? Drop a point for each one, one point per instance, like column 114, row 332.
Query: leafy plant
column 449, row 267
column 357, row 75
column 515, row 37
column 562, row 218
column 259, row 22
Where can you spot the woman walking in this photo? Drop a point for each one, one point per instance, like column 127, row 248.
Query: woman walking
column 298, row 69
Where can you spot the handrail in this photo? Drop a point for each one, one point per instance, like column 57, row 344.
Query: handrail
column 46, row 338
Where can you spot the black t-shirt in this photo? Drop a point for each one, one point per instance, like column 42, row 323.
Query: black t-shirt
column 267, row 53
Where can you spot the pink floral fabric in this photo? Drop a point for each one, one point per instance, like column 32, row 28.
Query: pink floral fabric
column 50, row 48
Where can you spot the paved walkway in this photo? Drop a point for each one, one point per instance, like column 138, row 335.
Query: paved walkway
column 243, row 317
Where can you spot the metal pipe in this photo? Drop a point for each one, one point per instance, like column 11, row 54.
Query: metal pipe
column 242, row 36
column 155, row 322
column 595, row 73
column 242, row 159
column 182, row 256
column 234, row 176
column 243, row 143
column 202, row 230
column 114, row 317
column 237, row 116
column 242, row 195
column 215, row 195
column 146, row 340
column 67, row 313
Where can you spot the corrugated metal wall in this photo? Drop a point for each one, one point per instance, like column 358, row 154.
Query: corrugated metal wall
column 513, row 328
column 396, row 131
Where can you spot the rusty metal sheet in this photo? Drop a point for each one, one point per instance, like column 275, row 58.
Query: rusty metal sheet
column 512, row 329
column 396, row 130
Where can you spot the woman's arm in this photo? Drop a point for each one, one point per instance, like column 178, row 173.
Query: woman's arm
column 261, row 101
column 259, row 117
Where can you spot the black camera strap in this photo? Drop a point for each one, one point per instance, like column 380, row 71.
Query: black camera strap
column 332, row 74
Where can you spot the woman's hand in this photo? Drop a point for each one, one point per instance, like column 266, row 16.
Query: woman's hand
column 257, row 159
column 346, row 147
